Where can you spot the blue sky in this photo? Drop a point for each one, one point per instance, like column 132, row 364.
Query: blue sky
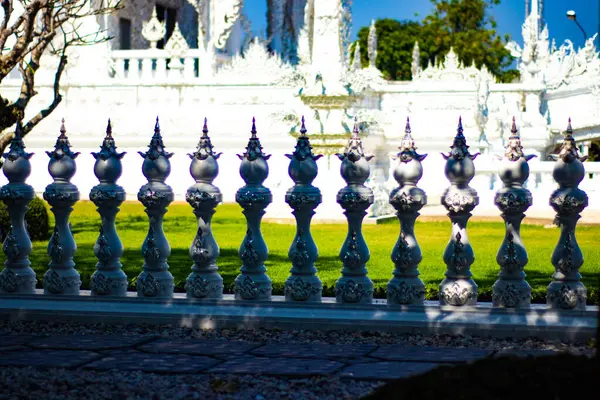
column 509, row 15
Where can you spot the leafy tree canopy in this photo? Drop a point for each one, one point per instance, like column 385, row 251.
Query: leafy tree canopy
column 464, row 25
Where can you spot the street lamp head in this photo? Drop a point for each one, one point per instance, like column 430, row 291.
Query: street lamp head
column 571, row 15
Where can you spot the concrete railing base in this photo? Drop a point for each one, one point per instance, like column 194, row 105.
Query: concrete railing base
column 537, row 322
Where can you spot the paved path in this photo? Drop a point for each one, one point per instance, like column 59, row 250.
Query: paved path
column 192, row 356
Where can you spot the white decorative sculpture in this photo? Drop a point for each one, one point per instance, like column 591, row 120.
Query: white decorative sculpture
column 153, row 30
column 356, row 61
column 176, row 45
column 372, row 41
column 226, row 14
column 415, row 68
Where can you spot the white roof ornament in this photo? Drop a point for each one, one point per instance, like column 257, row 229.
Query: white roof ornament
column 177, row 45
column 153, row 30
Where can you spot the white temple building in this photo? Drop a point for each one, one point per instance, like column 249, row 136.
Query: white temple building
column 184, row 60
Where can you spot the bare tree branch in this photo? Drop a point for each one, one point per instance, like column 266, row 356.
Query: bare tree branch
column 33, row 34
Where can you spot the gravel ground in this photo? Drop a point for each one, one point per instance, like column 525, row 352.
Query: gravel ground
column 62, row 384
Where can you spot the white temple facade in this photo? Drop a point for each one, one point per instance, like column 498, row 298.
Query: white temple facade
column 184, row 60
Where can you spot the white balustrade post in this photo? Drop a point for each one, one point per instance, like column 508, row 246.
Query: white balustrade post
column 62, row 277
column 155, row 279
column 566, row 290
column 17, row 275
column 354, row 286
column 303, row 284
column 203, row 196
column 458, row 289
column 109, row 278
column 511, row 289
column 406, row 287
column 253, row 283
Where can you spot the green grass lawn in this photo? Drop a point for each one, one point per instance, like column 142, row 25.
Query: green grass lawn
column 229, row 229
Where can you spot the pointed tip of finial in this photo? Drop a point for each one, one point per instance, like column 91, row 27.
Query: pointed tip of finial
column 460, row 125
column 253, row 130
column 205, row 127
column 63, row 130
column 569, row 127
column 303, row 127
column 407, row 128
column 513, row 129
column 355, row 130
column 109, row 129
column 157, row 127
column 18, row 128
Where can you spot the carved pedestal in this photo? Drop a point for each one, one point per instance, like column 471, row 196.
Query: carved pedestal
column 155, row 279
column 458, row 289
column 406, row 287
column 17, row 275
column 511, row 289
column 109, row 278
column 354, row 286
column 303, row 283
column 203, row 196
column 566, row 290
column 62, row 278
column 253, row 283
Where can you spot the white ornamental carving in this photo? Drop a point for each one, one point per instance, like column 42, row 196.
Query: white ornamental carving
column 356, row 61
column 452, row 70
column 415, row 67
column 369, row 78
column 153, row 30
column 566, row 64
column 226, row 14
column 256, row 66
column 177, row 45
column 372, row 43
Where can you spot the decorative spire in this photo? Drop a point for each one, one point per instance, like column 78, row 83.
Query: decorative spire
column 205, row 147
column 17, row 147
column 372, row 45
column 407, row 146
column 303, row 127
column 62, row 147
column 254, row 148
column 108, row 148
column 459, row 148
column 568, row 151
column 354, row 151
column 416, row 61
column 356, row 61
column 156, row 148
column 514, row 149
column 355, row 130
column 303, row 149
column 253, row 130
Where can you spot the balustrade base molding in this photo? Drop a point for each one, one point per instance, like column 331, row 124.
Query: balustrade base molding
column 538, row 321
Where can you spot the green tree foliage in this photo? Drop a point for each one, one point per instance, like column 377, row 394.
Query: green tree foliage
column 464, row 25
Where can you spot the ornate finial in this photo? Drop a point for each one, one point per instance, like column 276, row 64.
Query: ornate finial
column 63, row 130
column 17, row 147
column 514, row 149
column 407, row 146
column 157, row 127
column 303, row 149
column 513, row 129
column 205, row 128
column 303, row 128
column 355, row 130
column 354, row 151
column 109, row 130
column 205, row 147
column 254, row 148
column 568, row 150
column 153, row 30
column 156, row 148
column 253, row 130
column 62, row 147
column 460, row 150
column 108, row 148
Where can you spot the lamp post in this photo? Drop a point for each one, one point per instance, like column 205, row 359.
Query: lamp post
column 573, row 17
